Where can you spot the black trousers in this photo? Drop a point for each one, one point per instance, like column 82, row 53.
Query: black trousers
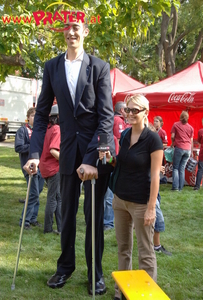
column 70, row 192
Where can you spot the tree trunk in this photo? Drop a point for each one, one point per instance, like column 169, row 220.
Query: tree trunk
column 196, row 48
column 201, row 59
column 15, row 60
column 167, row 53
column 167, row 41
column 160, row 46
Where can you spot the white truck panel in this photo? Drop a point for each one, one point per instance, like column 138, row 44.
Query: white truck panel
column 16, row 98
column 17, row 84
column 14, row 106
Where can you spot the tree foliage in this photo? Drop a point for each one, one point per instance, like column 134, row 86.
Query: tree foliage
column 173, row 43
column 27, row 46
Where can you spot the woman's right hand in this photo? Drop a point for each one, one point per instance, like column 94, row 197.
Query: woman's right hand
column 106, row 153
column 149, row 216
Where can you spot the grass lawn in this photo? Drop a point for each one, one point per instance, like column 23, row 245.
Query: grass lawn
column 180, row 276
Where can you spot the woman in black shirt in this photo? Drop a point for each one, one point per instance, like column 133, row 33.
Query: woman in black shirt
column 136, row 189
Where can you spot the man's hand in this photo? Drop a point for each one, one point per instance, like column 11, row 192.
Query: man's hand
column 87, row 172
column 31, row 166
column 162, row 170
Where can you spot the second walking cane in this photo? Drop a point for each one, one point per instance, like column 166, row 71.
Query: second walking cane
column 93, row 234
column 21, row 232
column 93, row 237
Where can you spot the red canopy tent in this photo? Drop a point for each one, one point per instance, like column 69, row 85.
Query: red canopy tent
column 121, row 82
column 167, row 98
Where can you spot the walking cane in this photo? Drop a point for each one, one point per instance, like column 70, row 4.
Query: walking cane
column 93, row 234
column 93, row 237
column 21, row 232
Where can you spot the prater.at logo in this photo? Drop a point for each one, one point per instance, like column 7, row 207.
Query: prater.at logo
column 54, row 20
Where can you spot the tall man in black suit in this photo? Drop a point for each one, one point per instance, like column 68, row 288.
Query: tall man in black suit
column 81, row 84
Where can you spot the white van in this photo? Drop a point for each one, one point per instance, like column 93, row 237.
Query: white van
column 17, row 95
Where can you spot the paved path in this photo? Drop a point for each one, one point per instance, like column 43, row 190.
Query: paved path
column 7, row 143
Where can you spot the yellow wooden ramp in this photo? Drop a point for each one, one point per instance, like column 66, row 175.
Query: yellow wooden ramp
column 138, row 285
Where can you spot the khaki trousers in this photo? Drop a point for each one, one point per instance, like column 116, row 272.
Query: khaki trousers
column 128, row 214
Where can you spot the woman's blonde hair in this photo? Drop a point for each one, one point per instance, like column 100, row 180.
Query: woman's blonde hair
column 141, row 101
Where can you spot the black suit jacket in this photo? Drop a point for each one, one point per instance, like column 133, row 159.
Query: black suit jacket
column 81, row 124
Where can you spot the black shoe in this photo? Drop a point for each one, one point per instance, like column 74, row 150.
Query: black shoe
column 57, row 280
column 107, row 227
column 53, row 231
column 27, row 227
column 196, row 188
column 36, row 224
column 100, row 287
column 175, row 190
column 21, row 200
column 56, row 232
column 116, row 298
column 163, row 250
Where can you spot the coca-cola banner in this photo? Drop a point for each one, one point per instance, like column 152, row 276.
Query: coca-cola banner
column 170, row 96
column 179, row 98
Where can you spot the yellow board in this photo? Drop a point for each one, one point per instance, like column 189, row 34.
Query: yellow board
column 138, row 285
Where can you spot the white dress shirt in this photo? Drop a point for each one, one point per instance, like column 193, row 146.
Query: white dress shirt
column 72, row 70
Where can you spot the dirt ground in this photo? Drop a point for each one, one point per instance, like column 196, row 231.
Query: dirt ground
column 9, row 142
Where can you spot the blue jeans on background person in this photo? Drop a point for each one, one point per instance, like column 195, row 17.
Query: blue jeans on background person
column 108, row 210
column 159, row 223
column 199, row 174
column 180, row 159
column 36, row 187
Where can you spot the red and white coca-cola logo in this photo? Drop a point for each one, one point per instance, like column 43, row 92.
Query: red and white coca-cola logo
column 178, row 98
column 192, row 178
column 168, row 169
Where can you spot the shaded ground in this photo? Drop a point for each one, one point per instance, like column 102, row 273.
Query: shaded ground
column 8, row 143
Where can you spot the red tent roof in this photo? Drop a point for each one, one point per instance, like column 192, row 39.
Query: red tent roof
column 181, row 91
column 121, row 82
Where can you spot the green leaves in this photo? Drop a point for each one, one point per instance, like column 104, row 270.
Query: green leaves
column 120, row 19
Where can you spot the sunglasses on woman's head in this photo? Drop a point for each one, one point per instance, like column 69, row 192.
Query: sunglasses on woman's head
column 134, row 111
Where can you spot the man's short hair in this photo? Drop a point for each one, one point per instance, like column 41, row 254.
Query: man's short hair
column 30, row 111
column 119, row 105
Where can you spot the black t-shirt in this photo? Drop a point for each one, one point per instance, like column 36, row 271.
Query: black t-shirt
column 133, row 183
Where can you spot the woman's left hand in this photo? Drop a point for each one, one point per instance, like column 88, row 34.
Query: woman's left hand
column 106, row 153
column 149, row 216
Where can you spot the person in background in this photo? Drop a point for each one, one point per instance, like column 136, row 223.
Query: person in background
column 182, row 139
column 119, row 119
column 49, row 168
column 159, row 227
column 200, row 162
column 22, row 146
column 136, row 188
column 81, row 84
column 159, row 223
column 158, row 123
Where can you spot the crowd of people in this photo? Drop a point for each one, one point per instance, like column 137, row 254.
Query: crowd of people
column 61, row 148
